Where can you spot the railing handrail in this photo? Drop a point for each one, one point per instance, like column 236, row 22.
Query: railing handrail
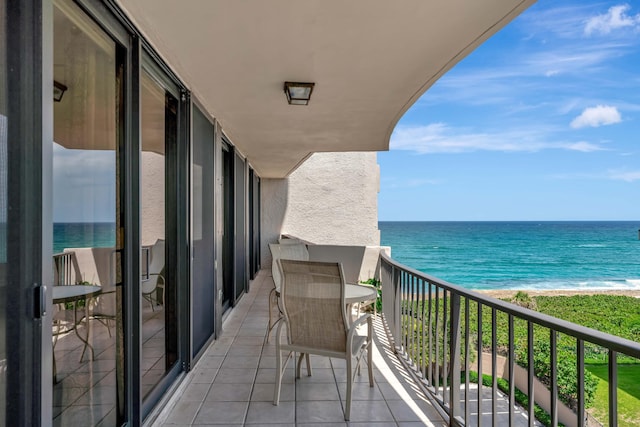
column 613, row 342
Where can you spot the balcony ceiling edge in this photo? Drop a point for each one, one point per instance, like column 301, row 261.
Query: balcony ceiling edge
column 370, row 61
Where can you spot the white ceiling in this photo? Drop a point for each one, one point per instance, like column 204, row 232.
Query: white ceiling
column 370, row 61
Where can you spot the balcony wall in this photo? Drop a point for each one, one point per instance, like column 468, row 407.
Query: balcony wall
column 331, row 199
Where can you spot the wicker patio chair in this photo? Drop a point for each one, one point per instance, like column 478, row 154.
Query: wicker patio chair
column 315, row 318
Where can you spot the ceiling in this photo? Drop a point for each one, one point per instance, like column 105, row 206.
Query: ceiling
column 370, row 61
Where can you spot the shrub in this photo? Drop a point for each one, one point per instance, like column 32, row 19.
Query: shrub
column 524, row 300
column 378, row 285
column 567, row 372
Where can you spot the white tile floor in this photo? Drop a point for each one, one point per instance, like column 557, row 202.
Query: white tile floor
column 85, row 394
column 232, row 384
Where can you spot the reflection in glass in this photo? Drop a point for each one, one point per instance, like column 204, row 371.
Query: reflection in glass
column 85, row 216
column 159, row 335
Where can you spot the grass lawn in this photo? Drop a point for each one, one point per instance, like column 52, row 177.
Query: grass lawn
column 628, row 394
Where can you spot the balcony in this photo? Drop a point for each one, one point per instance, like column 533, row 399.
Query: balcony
column 232, row 384
column 424, row 345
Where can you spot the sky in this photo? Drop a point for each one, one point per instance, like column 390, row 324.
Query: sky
column 541, row 122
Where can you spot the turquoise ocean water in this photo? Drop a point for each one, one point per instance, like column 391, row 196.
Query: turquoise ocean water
column 520, row 255
column 83, row 235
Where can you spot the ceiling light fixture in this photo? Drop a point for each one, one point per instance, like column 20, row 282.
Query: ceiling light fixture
column 298, row 93
column 58, row 90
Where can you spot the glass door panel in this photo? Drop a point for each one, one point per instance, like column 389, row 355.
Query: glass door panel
column 227, row 228
column 157, row 284
column 202, row 231
column 87, row 317
column 3, row 214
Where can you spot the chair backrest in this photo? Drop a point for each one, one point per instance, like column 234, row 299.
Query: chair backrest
column 296, row 251
column 156, row 267
column 106, row 259
column 156, row 263
column 313, row 304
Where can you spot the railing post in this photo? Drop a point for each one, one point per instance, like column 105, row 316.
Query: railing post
column 613, row 388
column 454, row 354
column 397, row 318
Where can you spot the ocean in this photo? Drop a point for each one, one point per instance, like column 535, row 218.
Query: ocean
column 83, row 235
column 558, row 255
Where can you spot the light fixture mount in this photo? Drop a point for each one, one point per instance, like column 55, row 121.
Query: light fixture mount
column 298, row 93
column 58, row 91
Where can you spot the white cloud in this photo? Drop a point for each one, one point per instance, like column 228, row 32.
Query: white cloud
column 615, row 18
column 585, row 147
column 628, row 176
column 440, row 138
column 597, row 116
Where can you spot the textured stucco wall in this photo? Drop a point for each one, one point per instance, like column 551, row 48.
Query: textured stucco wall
column 273, row 203
column 331, row 199
column 152, row 196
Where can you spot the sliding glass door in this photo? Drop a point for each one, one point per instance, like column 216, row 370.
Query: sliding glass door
column 160, row 206
column 87, row 326
column 203, row 291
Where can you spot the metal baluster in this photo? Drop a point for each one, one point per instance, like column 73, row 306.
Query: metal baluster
column 494, row 367
column 512, row 365
column 423, row 346
column 479, row 364
column 580, row 355
column 613, row 388
column 445, row 345
column 466, row 360
column 437, row 339
column 553, row 361
column 430, row 332
column 531, row 374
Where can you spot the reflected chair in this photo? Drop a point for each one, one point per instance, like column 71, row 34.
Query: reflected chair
column 295, row 250
column 104, row 308
column 315, row 319
column 155, row 282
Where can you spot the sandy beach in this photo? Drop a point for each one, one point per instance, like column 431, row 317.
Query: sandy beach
column 510, row 293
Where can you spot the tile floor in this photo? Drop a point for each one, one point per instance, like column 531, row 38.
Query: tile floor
column 85, row 394
column 232, row 384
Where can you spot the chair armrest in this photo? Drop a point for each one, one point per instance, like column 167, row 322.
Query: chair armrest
column 159, row 275
column 352, row 330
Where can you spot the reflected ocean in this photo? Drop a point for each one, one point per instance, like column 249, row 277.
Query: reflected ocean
column 83, row 235
column 521, row 255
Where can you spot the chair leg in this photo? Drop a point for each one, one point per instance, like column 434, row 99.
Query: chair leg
column 370, row 350
column 270, row 325
column 276, row 389
column 308, row 365
column 347, row 410
column 370, row 364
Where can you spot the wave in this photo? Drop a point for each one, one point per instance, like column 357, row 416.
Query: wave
column 563, row 285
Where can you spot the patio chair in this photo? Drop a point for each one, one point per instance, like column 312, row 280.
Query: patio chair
column 104, row 309
column 315, row 318
column 155, row 282
column 295, row 250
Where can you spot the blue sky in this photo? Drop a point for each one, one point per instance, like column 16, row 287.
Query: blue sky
column 541, row 122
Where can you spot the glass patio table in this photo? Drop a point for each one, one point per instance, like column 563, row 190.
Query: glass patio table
column 73, row 294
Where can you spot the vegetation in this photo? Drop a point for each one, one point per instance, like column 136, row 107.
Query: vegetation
column 613, row 314
column 617, row 315
column 524, row 300
column 628, row 394
column 522, row 399
column 378, row 285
